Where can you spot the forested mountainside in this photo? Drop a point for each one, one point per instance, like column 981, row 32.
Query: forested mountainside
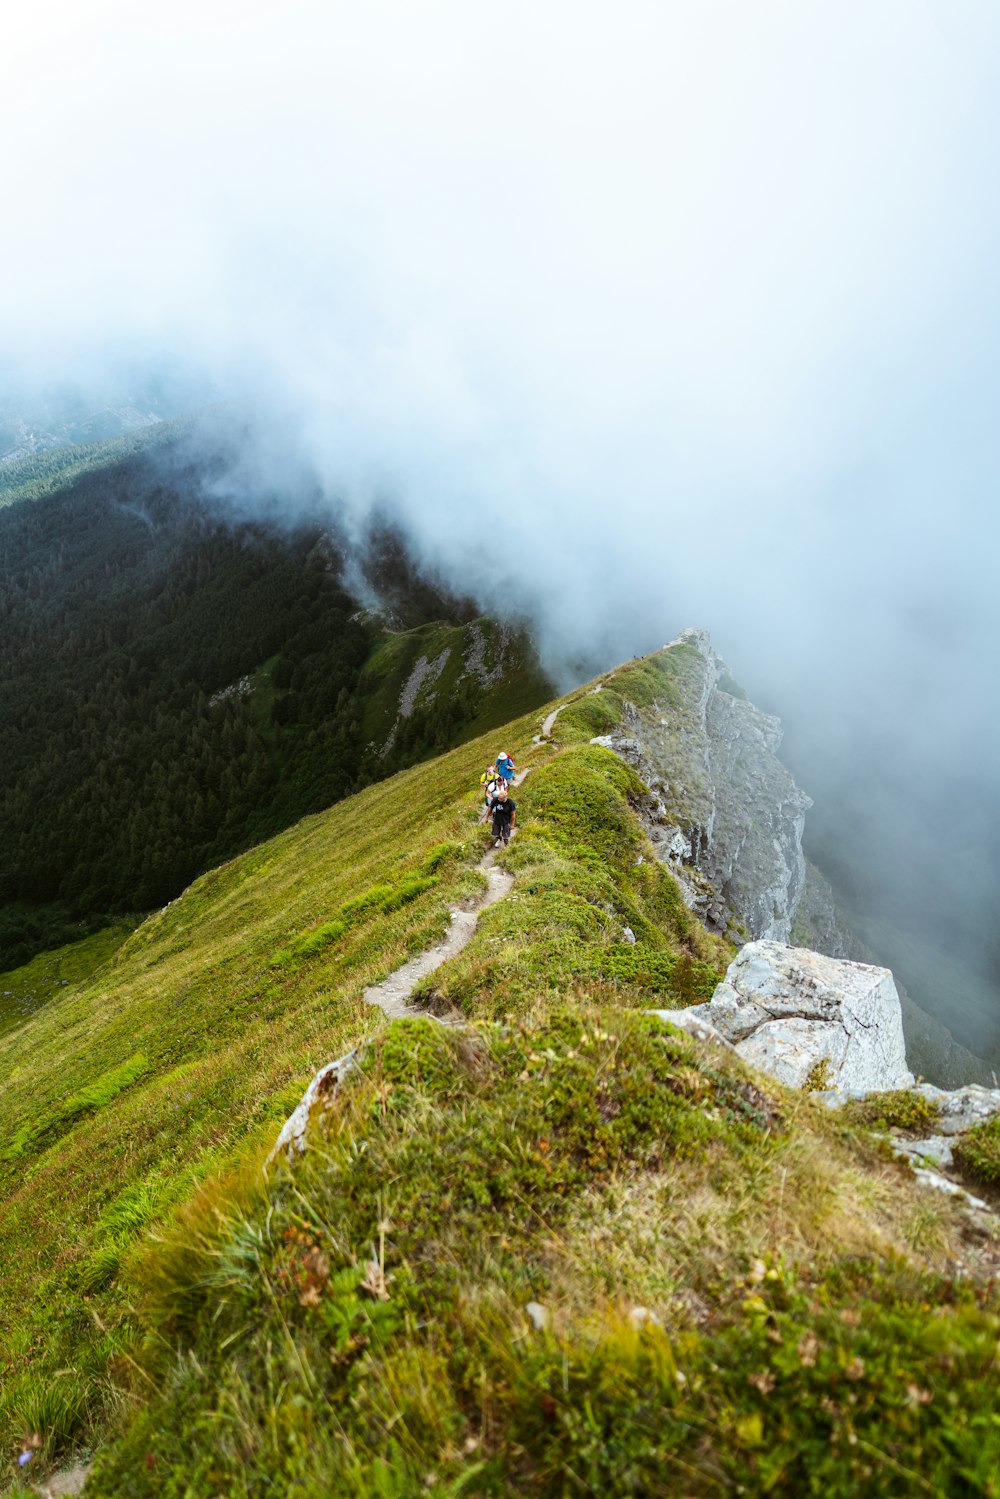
column 179, row 681
column 61, row 415
column 549, row 1246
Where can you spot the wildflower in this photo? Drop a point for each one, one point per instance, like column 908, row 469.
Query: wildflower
column 762, row 1380
column 807, row 1350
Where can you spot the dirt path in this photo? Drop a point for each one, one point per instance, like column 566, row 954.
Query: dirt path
column 549, row 722
column 392, row 995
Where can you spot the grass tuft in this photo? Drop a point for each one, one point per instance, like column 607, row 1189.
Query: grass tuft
column 977, row 1153
column 899, row 1109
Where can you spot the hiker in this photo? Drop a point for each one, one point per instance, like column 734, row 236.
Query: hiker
column 491, row 785
column 505, row 767
column 504, row 812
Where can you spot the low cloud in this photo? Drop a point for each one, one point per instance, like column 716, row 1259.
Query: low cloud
column 683, row 313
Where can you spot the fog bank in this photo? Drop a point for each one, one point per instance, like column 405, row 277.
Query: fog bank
column 680, row 313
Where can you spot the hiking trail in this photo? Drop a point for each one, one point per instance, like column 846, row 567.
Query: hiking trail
column 392, row 995
column 547, row 726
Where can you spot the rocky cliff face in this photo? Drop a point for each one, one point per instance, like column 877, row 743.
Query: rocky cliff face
column 728, row 818
column 724, row 813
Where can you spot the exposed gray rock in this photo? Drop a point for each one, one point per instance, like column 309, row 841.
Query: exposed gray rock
column 787, row 1010
column 538, row 1315
column 694, row 1024
column 65, row 1482
column 724, row 813
column 326, row 1082
column 643, row 1316
column 935, row 1148
column 945, row 1184
column 963, row 1107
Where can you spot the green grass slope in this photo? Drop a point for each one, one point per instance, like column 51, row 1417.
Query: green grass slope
column 25, row 989
column 426, row 688
column 739, row 1293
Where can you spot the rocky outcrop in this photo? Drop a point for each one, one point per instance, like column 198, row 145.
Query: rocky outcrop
column 961, row 1108
column 727, row 818
column 799, row 1015
column 324, row 1085
column 834, row 1027
column 724, row 813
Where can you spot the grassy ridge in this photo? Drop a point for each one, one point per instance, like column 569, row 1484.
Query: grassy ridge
column 358, row 1324
column 581, row 880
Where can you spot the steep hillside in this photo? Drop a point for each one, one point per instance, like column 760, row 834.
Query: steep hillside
column 727, row 817
column 25, row 989
column 179, row 681
column 36, row 424
column 550, row 1247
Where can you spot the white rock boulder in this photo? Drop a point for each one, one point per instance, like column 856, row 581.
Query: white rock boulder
column 786, row 1010
column 961, row 1108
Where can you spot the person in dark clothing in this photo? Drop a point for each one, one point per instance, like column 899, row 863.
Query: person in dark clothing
column 504, row 812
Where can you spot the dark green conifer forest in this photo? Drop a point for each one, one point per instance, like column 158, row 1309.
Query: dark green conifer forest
column 176, row 683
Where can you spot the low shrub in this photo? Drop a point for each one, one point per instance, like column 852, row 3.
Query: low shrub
column 360, row 1325
column 899, row 1109
column 818, row 1078
column 977, row 1153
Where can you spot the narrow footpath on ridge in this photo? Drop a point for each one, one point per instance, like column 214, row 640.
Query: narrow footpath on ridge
column 392, row 996
column 394, row 993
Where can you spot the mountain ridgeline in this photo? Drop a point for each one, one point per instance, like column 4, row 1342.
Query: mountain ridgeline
column 181, row 678
column 537, row 1240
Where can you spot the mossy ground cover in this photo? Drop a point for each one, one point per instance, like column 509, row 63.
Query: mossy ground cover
column 977, row 1154
column 900, row 1109
column 356, row 1324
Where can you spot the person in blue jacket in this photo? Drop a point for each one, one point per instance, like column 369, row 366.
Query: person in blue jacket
column 505, row 767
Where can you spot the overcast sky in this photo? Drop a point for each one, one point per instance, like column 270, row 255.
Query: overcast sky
column 644, row 314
